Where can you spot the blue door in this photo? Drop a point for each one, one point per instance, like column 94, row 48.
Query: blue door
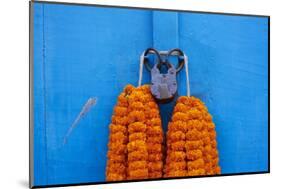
column 88, row 51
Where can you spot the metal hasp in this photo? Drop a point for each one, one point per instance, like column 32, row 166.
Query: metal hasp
column 164, row 85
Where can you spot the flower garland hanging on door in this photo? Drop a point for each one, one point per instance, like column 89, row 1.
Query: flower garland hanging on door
column 135, row 147
column 191, row 138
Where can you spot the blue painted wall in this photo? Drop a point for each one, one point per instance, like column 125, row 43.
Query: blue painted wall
column 82, row 52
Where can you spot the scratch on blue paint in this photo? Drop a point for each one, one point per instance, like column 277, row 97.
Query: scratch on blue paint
column 85, row 109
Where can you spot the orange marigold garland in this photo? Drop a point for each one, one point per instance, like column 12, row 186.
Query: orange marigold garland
column 136, row 137
column 191, row 140
column 117, row 146
column 154, row 136
column 137, row 149
column 146, row 132
column 176, row 154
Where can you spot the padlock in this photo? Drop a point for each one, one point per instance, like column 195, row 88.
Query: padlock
column 163, row 85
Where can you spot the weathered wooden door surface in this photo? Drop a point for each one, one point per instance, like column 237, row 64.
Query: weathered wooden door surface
column 84, row 51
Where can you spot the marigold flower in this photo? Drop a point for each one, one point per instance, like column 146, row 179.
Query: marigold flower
column 136, row 127
column 113, row 158
column 206, row 140
column 215, row 161
column 118, row 137
column 116, row 168
column 193, row 145
column 179, row 173
column 207, row 158
column 137, row 136
column 197, row 164
column 154, row 148
column 117, row 128
column 152, row 157
column 194, row 154
column 194, row 124
column 115, row 177
column 212, row 135
column 118, row 120
column 178, row 146
column 139, row 96
column 213, row 144
column 145, row 88
column 177, row 126
column 214, row 153
column 152, row 113
column 151, row 105
column 120, row 111
column 155, row 166
column 175, row 136
column 155, row 174
column 137, row 106
column 136, row 116
column 148, row 97
column 196, row 172
column 209, row 167
column 176, row 166
column 211, row 126
column 205, row 134
column 179, row 116
column 207, row 149
column 154, row 131
column 154, row 122
column 208, row 117
column 128, row 89
column 155, row 139
column 122, row 100
column 138, row 155
column 194, row 114
column 176, row 156
column 183, row 99
column 138, row 174
column 190, row 102
column 134, row 165
column 180, row 107
column 217, row 170
column 117, row 148
column 138, row 145
column 193, row 134
column 201, row 107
